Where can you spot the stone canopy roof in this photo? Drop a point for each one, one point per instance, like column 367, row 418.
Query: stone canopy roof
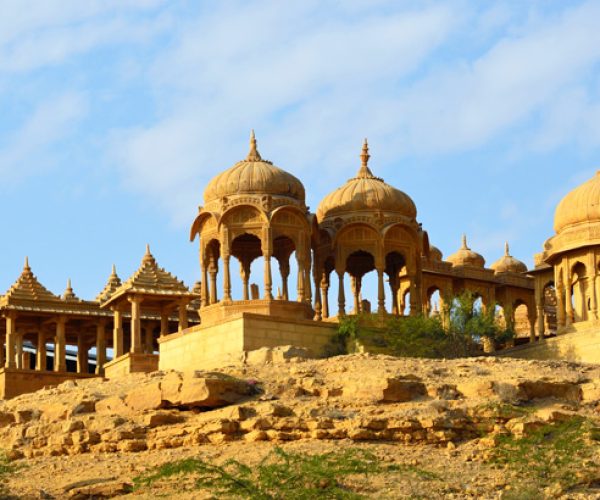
column 112, row 285
column 150, row 279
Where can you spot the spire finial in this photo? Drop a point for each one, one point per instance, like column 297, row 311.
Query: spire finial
column 464, row 242
column 114, row 270
column 506, row 249
column 148, row 257
column 253, row 154
column 365, row 171
column 69, row 284
column 26, row 266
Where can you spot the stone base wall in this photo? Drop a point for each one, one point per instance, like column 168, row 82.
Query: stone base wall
column 14, row 382
column 131, row 363
column 580, row 346
column 227, row 342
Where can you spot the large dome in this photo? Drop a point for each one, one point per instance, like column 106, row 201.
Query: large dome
column 466, row 257
column 254, row 176
column 365, row 192
column 582, row 205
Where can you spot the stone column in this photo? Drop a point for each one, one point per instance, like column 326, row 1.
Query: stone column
column 341, row 296
column 284, row 270
column 19, row 349
column 307, row 284
column 560, row 307
column 11, row 320
column 414, row 297
column 136, row 327
column 164, row 322
column 532, row 316
column 149, row 338
column 82, row 355
column 354, row 289
column 60, row 346
column 301, row 275
column 539, row 305
column 394, row 292
column 117, row 333
column 268, row 278
column 317, row 306
column 325, row 295
column 205, row 299
column 40, row 355
column 183, row 318
column 380, row 293
column 226, row 279
column 245, row 275
column 100, row 347
column 2, row 352
column 213, row 270
column 569, row 316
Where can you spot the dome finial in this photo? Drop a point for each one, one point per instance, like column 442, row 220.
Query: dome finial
column 464, row 242
column 26, row 266
column 114, row 270
column 253, row 154
column 506, row 249
column 364, row 171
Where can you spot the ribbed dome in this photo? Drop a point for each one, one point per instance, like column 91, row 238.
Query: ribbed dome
column 254, row 176
column 466, row 257
column 579, row 206
column 366, row 192
column 508, row 264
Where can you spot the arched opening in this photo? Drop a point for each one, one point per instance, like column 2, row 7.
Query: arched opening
column 246, row 248
column 360, row 266
column 405, row 302
column 395, row 262
column 433, row 306
column 290, row 279
column 578, row 294
column 521, row 322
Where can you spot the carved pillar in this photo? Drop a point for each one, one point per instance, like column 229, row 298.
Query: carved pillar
column 205, row 299
column 539, row 304
column 136, row 326
column 268, row 279
column 307, row 283
column 60, row 349
column 164, row 322
column 318, row 309
column 100, row 347
column 301, row 274
column 11, row 320
column 117, row 333
column 212, row 271
column 40, row 355
column 284, row 270
column 569, row 316
column 183, row 317
column 19, row 349
column 394, row 291
column 380, row 293
column 226, row 279
column 245, row 275
column 414, row 297
column 355, row 294
column 325, row 295
column 82, row 355
column 532, row 316
column 341, row 296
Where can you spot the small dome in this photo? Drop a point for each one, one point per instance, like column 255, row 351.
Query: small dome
column 435, row 254
column 254, row 176
column 365, row 192
column 579, row 206
column 466, row 257
column 508, row 264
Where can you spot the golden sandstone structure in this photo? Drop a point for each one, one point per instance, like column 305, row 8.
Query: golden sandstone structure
column 257, row 212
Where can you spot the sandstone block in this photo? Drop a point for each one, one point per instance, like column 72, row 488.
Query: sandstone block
column 539, row 389
column 147, row 397
column 158, row 419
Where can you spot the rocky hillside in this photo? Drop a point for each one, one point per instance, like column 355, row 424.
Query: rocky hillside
column 474, row 427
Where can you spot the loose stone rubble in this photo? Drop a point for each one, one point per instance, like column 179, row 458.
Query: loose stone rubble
column 359, row 397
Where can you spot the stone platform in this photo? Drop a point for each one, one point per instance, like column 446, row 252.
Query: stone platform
column 278, row 308
column 131, row 363
column 228, row 341
column 14, row 382
column 581, row 344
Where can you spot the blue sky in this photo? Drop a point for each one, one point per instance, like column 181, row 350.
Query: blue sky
column 114, row 115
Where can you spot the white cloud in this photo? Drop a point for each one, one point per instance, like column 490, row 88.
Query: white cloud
column 29, row 148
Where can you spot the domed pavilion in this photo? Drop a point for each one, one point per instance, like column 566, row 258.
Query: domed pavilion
column 367, row 225
column 570, row 262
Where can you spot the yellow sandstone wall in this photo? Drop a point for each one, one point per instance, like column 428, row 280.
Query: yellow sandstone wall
column 227, row 342
column 131, row 363
column 582, row 346
column 14, row 382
